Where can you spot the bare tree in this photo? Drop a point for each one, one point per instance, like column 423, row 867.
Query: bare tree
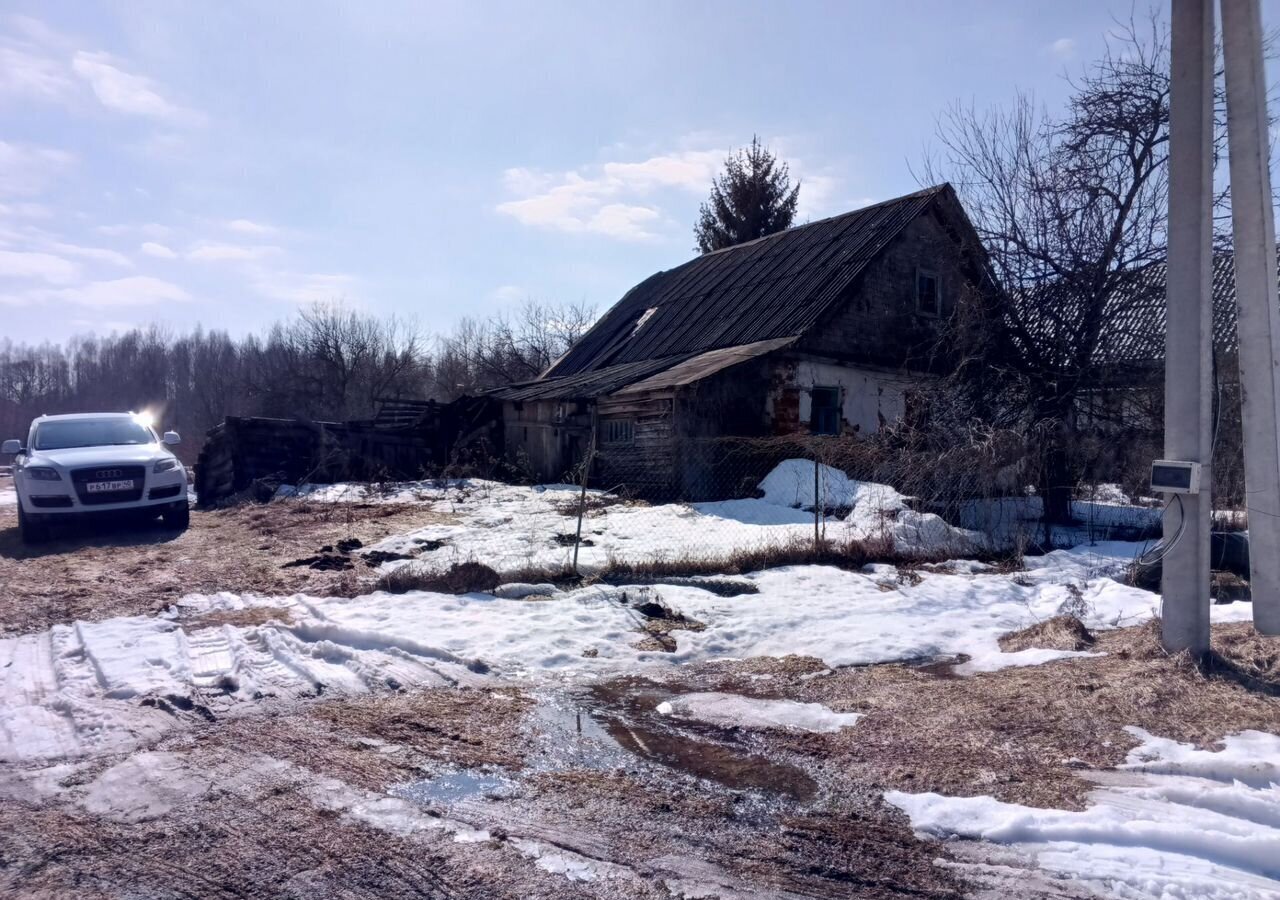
column 508, row 348
column 1068, row 209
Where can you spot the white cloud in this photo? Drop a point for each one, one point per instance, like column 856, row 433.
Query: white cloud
column 27, row 169
column 24, row 72
column 212, row 251
column 619, row 220
column 104, row 326
column 508, row 293
column 304, row 288
column 97, row 254
column 38, row 266
column 246, row 226
column 691, row 170
column 1063, row 48
column 26, row 210
column 149, row 229
column 125, row 92
column 160, row 251
column 603, row 199
column 136, row 290
column 623, row 200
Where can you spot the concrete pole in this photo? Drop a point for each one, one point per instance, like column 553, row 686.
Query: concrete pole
column 1257, row 306
column 1188, row 344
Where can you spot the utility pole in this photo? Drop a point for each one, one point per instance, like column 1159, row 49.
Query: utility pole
column 1188, row 342
column 1257, row 309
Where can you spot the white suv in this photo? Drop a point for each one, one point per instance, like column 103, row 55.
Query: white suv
column 96, row 463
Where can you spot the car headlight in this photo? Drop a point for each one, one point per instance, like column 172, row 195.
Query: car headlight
column 164, row 465
column 42, row 473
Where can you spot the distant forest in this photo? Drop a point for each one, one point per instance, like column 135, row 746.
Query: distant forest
column 328, row 362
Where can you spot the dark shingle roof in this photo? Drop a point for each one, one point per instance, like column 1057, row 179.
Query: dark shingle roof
column 595, row 383
column 774, row 287
column 1136, row 324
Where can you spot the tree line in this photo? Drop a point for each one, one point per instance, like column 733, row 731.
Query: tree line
column 327, row 362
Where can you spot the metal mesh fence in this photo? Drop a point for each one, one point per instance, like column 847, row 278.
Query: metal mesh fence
column 743, row 504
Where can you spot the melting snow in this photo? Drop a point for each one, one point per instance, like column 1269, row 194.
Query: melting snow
column 1178, row 823
column 87, row 689
column 751, row 712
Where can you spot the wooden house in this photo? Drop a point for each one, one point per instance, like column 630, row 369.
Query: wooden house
column 820, row 329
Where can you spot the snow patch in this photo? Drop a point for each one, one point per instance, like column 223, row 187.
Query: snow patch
column 1185, row 823
column 732, row 710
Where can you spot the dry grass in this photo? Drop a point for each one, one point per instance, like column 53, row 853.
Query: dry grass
column 1023, row 734
column 1058, row 633
column 459, row 578
column 238, row 618
column 108, row 568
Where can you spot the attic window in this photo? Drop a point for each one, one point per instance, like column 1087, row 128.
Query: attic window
column 928, row 293
column 644, row 317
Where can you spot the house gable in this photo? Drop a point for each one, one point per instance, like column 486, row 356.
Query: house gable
column 884, row 318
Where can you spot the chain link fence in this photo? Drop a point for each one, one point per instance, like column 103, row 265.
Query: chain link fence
column 736, row 505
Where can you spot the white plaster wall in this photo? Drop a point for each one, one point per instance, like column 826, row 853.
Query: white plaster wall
column 865, row 395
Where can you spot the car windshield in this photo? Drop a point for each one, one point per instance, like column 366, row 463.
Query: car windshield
column 91, row 433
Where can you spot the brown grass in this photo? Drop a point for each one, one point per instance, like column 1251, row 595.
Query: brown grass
column 1015, row 733
column 108, row 568
column 459, row 578
column 239, row 618
column 1058, row 633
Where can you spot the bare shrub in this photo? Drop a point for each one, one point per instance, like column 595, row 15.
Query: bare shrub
column 460, row 578
column 1059, row 633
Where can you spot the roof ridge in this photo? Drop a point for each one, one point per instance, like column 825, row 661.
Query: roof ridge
column 932, row 189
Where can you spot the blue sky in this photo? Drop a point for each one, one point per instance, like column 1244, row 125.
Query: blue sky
column 222, row 162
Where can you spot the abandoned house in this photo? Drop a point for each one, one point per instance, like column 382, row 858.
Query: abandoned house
column 820, row 329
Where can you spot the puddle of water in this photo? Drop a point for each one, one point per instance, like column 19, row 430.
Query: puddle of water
column 715, row 762
column 448, row 790
column 939, row 666
column 571, row 735
column 629, row 700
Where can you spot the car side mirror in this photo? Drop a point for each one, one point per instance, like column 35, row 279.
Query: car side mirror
column 171, row 437
column 11, row 447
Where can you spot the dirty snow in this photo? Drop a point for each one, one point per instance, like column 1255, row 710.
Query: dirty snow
column 91, row 688
column 510, row 527
column 731, row 710
column 1173, row 822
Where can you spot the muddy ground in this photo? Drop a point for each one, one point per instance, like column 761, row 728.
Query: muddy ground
column 586, row 790
column 571, row 789
column 99, row 569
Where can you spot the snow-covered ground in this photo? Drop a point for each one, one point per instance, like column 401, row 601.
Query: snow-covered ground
column 1173, row 822
column 509, row 527
column 87, row 688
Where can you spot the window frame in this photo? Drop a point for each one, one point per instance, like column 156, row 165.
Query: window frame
column 835, row 408
column 610, row 431
column 935, row 311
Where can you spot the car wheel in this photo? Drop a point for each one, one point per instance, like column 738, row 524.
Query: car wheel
column 178, row 518
column 33, row 530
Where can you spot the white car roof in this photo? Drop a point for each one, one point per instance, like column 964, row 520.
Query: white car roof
column 65, row 416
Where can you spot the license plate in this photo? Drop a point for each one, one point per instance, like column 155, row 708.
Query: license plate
column 103, row 487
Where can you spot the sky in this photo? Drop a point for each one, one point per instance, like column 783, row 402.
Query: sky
column 222, row 163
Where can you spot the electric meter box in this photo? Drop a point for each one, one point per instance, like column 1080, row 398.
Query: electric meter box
column 1172, row 476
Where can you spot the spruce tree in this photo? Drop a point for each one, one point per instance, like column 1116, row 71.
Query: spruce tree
column 752, row 198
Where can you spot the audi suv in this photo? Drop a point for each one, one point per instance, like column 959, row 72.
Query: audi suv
column 100, row 463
